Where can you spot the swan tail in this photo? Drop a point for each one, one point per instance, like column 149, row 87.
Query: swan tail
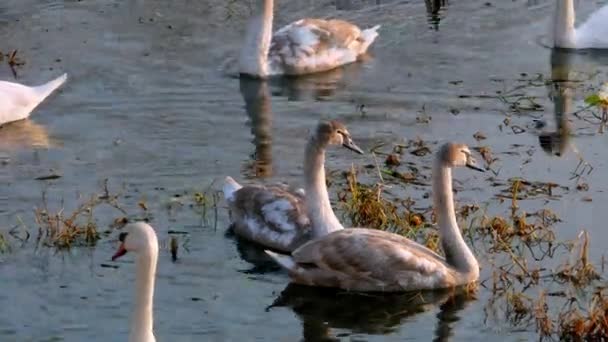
column 42, row 91
column 285, row 261
column 230, row 187
column 368, row 35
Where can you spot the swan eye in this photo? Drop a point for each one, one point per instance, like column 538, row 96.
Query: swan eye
column 122, row 236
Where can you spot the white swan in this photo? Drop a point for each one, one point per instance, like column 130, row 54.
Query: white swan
column 302, row 47
column 140, row 238
column 17, row 100
column 592, row 34
column 282, row 218
column 362, row 259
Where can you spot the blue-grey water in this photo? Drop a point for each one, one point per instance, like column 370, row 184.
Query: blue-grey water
column 147, row 108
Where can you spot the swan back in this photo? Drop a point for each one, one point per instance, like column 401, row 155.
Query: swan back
column 316, row 45
column 17, row 100
column 273, row 216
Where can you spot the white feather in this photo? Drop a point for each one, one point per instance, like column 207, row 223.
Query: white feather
column 285, row 261
column 229, row 188
column 17, row 101
column 276, row 213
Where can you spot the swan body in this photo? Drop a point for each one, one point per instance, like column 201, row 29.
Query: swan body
column 303, row 47
column 283, row 218
column 592, row 34
column 140, row 238
column 362, row 259
column 17, row 101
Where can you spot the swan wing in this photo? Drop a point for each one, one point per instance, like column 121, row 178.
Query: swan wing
column 369, row 260
column 18, row 100
column 15, row 100
column 593, row 33
column 273, row 216
column 315, row 45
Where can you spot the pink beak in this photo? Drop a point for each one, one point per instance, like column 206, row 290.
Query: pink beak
column 120, row 252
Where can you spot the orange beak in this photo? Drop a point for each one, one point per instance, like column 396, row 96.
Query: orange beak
column 120, row 252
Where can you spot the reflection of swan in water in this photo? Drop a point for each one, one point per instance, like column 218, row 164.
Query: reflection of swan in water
column 257, row 103
column 321, row 310
column 253, row 254
column 24, row 134
column 556, row 142
column 257, row 97
column 433, row 8
column 566, row 68
column 317, row 86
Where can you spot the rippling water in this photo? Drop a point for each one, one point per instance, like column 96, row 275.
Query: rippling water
column 147, row 108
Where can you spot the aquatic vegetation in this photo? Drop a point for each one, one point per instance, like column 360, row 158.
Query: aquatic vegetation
column 599, row 100
column 204, row 202
column 4, row 244
column 366, row 206
column 589, row 324
column 580, row 272
column 79, row 228
column 13, row 61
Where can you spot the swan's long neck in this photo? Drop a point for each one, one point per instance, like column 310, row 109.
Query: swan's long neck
column 457, row 253
column 321, row 215
column 564, row 35
column 254, row 55
column 142, row 320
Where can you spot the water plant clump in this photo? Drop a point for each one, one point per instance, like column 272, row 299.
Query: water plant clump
column 366, row 206
column 581, row 272
column 79, row 228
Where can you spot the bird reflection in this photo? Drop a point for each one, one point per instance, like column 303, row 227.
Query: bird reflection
column 433, row 9
column 257, row 97
column 24, row 134
column 566, row 67
column 556, row 142
column 257, row 104
column 319, row 86
column 321, row 310
column 254, row 254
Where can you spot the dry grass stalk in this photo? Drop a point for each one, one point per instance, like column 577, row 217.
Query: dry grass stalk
column 76, row 229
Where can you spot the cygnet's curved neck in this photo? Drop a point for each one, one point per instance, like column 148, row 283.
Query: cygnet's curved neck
column 142, row 320
column 253, row 60
column 457, row 253
column 564, row 34
column 318, row 206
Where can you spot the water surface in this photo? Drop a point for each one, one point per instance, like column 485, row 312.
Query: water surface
column 146, row 108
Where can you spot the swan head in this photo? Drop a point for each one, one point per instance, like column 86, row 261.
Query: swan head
column 137, row 237
column 458, row 155
column 335, row 133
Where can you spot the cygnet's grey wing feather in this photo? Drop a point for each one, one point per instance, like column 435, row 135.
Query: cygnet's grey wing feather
column 369, row 259
column 273, row 216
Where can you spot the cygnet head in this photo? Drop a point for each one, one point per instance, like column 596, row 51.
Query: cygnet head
column 335, row 133
column 457, row 155
column 137, row 237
